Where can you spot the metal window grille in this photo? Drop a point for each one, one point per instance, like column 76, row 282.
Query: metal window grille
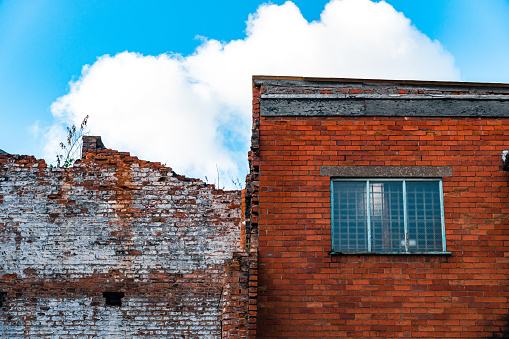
column 387, row 216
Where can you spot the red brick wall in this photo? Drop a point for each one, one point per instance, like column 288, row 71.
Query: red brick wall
column 304, row 292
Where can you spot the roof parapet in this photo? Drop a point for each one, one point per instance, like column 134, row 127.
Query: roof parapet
column 286, row 96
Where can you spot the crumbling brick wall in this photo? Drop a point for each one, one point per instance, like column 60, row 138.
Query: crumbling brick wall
column 113, row 223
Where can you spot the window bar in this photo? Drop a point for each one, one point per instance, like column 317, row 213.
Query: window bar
column 397, row 199
column 442, row 216
column 347, row 229
column 368, row 215
column 357, row 233
column 332, row 214
column 432, row 217
column 348, row 224
column 356, row 195
column 424, row 215
column 405, row 216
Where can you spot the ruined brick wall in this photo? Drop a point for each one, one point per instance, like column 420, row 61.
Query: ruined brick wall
column 305, row 292
column 239, row 296
column 252, row 201
column 112, row 223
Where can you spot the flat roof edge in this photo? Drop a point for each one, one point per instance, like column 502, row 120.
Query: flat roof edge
column 270, row 78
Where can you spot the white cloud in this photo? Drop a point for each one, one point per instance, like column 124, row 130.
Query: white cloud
column 194, row 112
column 35, row 129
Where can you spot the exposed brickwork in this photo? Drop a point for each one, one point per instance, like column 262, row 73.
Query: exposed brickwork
column 236, row 298
column 113, row 223
column 252, row 212
column 303, row 292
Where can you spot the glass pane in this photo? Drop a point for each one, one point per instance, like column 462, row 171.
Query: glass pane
column 350, row 219
column 424, row 217
column 387, row 216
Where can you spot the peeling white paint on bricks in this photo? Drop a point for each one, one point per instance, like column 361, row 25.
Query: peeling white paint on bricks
column 136, row 318
column 82, row 242
column 67, row 235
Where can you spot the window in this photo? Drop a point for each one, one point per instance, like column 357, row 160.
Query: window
column 387, row 216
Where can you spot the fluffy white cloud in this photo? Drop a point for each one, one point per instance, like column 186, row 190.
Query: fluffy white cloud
column 194, row 112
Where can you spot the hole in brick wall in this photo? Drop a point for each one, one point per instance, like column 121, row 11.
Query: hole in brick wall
column 113, row 298
column 3, row 298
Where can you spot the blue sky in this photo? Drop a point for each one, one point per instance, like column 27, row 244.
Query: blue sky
column 45, row 43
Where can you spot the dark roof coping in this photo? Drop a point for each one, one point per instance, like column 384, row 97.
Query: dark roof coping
column 261, row 79
column 301, row 96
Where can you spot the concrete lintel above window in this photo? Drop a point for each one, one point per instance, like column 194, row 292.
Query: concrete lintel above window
column 386, row 171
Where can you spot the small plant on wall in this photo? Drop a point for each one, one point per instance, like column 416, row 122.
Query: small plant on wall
column 71, row 149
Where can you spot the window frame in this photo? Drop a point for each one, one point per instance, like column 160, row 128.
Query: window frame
column 405, row 216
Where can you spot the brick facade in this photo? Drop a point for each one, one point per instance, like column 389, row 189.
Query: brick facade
column 114, row 223
column 186, row 260
column 303, row 126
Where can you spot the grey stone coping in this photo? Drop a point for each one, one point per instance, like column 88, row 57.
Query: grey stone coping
column 386, row 171
column 374, row 96
column 452, row 107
